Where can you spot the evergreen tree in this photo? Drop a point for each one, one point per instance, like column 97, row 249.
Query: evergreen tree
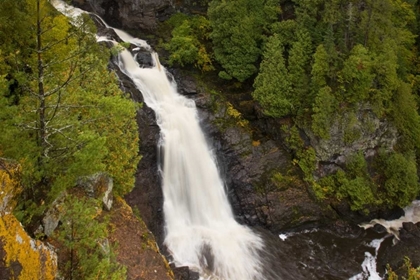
column 272, row 86
column 237, row 33
column 70, row 119
column 86, row 248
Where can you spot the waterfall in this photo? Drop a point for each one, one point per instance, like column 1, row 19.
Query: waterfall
column 201, row 231
column 200, row 228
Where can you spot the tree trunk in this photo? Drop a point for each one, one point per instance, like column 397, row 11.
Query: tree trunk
column 41, row 92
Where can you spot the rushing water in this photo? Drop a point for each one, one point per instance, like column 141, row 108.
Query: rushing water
column 201, row 231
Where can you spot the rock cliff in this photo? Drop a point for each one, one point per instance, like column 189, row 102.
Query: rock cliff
column 129, row 14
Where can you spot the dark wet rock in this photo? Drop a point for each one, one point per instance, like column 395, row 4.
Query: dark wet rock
column 184, row 273
column 131, row 14
column 249, row 167
column 144, row 58
column 379, row 228
column 345, row 229
column 186, row 84
column 410, row 230
column 407, row 246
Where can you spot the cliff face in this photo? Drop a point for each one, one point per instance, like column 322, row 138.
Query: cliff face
column 21, row 257
column 130, row 14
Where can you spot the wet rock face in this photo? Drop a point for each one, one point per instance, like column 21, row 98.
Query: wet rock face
column 407, row 246
column 130, row 14
column 351, row 133
column 249, row 168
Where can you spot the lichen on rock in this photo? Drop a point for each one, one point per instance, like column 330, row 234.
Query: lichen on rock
column 21, row 257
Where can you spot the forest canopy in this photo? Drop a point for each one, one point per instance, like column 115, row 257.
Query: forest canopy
column 323, row 65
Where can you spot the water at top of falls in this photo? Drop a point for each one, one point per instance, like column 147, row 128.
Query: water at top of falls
column 66, row 9
column 200, row 228
column 73, row 13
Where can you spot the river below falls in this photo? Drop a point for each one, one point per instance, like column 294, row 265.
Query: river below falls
column 318, row 254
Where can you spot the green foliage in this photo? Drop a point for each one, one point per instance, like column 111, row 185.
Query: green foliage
column 400, row 179
column 293, row 141
column 299, row 57
column 325, row 108
column 119, row 48
column 406, row 117
column 412, row 272
column 305, row 157
column 354, row 184
column 357, row 190
column 351, row 129
column 237, row 33
column 187, row 45
column 85, row 243
column 327, row 60
column 356, row 75
column 61, row 111
column 272, row 86
column 307, row 160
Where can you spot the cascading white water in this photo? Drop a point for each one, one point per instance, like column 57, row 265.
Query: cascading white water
column 200, row 229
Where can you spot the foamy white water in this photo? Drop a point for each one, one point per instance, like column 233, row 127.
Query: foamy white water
column 200, row 228
column 66, row 9
column 369, row 264
column 412, row 214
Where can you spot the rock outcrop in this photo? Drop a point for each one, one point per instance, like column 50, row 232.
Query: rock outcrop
column 21, row 257
column 98, row 186
column 351, row 133
column 129, row 14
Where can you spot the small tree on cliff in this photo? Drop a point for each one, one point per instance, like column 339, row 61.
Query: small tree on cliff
column 86, row 249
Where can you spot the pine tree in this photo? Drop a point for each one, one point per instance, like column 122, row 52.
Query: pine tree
column 237, row 33
column 84, row 239
column 272, row 86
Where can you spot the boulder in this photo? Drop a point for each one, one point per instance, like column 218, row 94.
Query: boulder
column 53, row 215
column 98, row 186
column 22, row 257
